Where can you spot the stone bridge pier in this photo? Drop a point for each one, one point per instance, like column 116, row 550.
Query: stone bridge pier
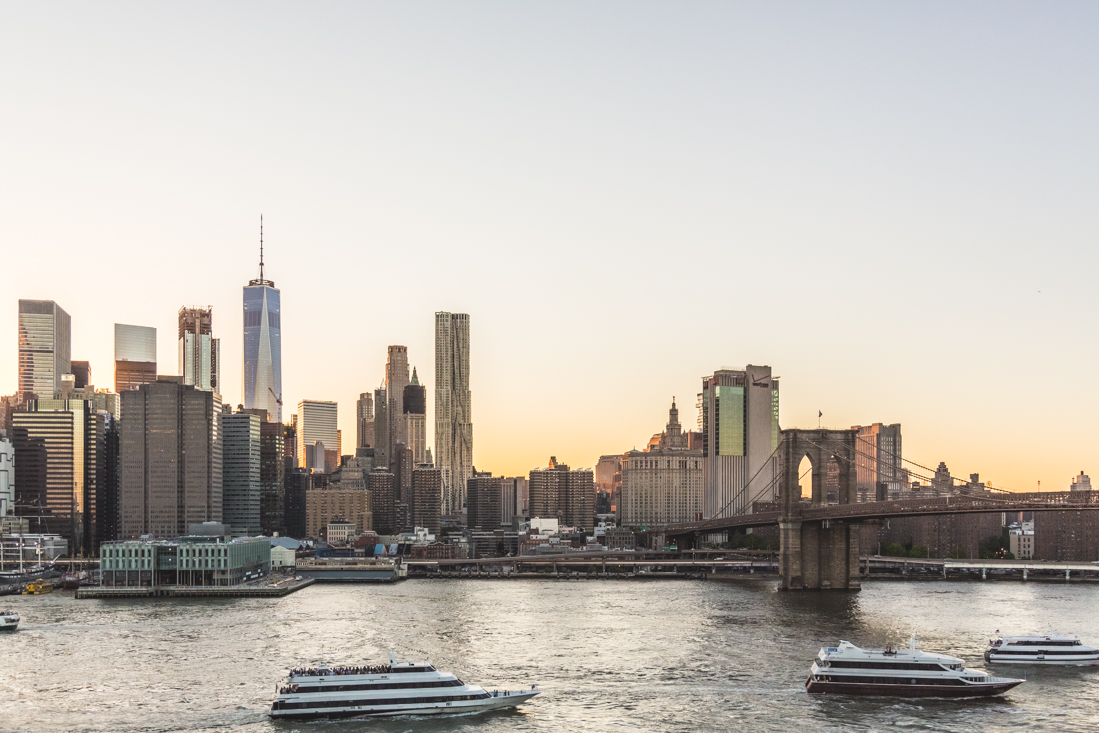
column 821, row 554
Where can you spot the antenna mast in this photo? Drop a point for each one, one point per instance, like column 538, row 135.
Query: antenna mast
column 261, row 280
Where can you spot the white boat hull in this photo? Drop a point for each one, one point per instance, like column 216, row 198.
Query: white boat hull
column 365, row 709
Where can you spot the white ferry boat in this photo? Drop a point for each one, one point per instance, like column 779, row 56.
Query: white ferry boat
column 405, row 688
column 9, row 620
column 848, row 670
column 1040, row 650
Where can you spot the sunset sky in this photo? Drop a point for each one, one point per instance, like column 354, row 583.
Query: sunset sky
column 894, row 205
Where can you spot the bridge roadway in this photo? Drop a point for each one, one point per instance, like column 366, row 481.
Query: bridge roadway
column 931, row 506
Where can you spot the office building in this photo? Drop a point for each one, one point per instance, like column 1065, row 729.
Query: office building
column 558, row 492
column 606, row 473
column 663, row 483
column 171, row 459
column 878, row 464
column 44, row 348
column 381, row 429
column 59, row 463
column 396, row 379
column 453, row 408
column 383, row 499
column 1081, row 482
column 513, row 498
column 483, row 502
column 106, row 500
column 739, row 440
column 414, row 405
column 324, row 505
column 82, row 373
column 134, row 356
column 364, row 421
column 241, row 492
column 199, row 353
column 272, row 477
column 298, row 483
column 317, row 424
column 263, row 344
column 7, row 478
column 427, row 485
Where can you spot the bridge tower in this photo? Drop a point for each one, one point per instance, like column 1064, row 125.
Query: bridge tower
column 821, row 554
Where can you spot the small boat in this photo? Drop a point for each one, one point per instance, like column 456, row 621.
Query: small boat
column 848, row 670
column 8, row 620
column 38, row 587
column 1038, row 649
column 405, row 688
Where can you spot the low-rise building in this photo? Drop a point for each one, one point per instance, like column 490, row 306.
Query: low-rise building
column 283, row 557
column 340, row 531
column 188, row 561
column 1021, row 541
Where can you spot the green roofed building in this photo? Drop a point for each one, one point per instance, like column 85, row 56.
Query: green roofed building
column 188, row 561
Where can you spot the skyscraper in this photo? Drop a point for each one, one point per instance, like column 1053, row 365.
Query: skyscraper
column 453, row 408
column 484, row 494
column 396, row 379
column 199, row 352
column 381, row 429
column 879, row 467
column 134, row 356
column 415, row 409
column 170, row 450
column 263, row 344
column 426, row 498
column 739, row 440
column 557, row 492
column 364, row 421
column 241, row 492
column 272, row 476
column 45, row 342
column 316, row 424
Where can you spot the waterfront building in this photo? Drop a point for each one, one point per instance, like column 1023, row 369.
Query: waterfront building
column 1081, row 482
column 414, row 405
column 324, row 505
column 1068, row 536
column 740, row 434
column 32, row 548
column 170, row 450
column 1021, row 541
column 878, row 463
column 7, row 478
column 187, row 561
column 340, row 531
column 316, row 423
column 483, row 501
column 134, row 356
column 560, row 493
column 364, row 421
column 45, row 342
column 240, row 471
column 453, row 408
column 272, row 477
column 396, row 379
column 59, row 466
column 263, row 344
column 199, row 353
column 383, row 495
column 427, row 485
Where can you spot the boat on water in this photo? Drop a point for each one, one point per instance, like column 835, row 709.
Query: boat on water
column 38, row 587
column 1038, row 649
column 848, row 670
column 397, row 688
column 9, row 620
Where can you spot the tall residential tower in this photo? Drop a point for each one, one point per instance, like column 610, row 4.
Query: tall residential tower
column 263, row 344
column 199, row 352
column 453, row 408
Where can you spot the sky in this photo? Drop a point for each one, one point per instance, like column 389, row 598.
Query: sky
column 891, row 204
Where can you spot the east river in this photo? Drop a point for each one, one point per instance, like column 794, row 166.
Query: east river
column 629, row 655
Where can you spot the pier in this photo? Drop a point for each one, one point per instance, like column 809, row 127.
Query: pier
column 195, row 591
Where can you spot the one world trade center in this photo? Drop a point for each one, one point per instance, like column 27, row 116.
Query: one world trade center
column 262, row 344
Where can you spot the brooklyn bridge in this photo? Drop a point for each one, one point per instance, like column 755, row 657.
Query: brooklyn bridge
column 819, row 533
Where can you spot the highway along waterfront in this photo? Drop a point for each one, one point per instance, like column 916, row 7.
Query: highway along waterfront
column 686, row 656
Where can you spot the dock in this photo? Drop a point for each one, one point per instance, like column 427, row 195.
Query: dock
column 191, row 591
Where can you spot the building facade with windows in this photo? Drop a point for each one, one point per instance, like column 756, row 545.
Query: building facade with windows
column 241, row 481
column 45, row 342
column 560, row 493
column 198, row 352
column 134, row 356
column 262, row 372
column 188, row 561
column 453, row 408
column 740, row 435
column 317, row 423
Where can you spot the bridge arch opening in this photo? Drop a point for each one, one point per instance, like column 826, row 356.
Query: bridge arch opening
column 805, row 477
column 833, row 480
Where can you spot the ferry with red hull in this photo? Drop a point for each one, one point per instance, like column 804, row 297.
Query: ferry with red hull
column 848, row 670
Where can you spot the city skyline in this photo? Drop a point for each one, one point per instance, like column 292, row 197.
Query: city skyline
column 799, row 162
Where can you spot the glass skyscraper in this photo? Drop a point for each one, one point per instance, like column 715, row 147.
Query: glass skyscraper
column 263, row 345
column 44, row 343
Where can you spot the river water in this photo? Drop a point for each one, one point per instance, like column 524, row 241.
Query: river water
column 651, row 656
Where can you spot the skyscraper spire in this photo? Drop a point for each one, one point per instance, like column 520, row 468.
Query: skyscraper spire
column 261, row 246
